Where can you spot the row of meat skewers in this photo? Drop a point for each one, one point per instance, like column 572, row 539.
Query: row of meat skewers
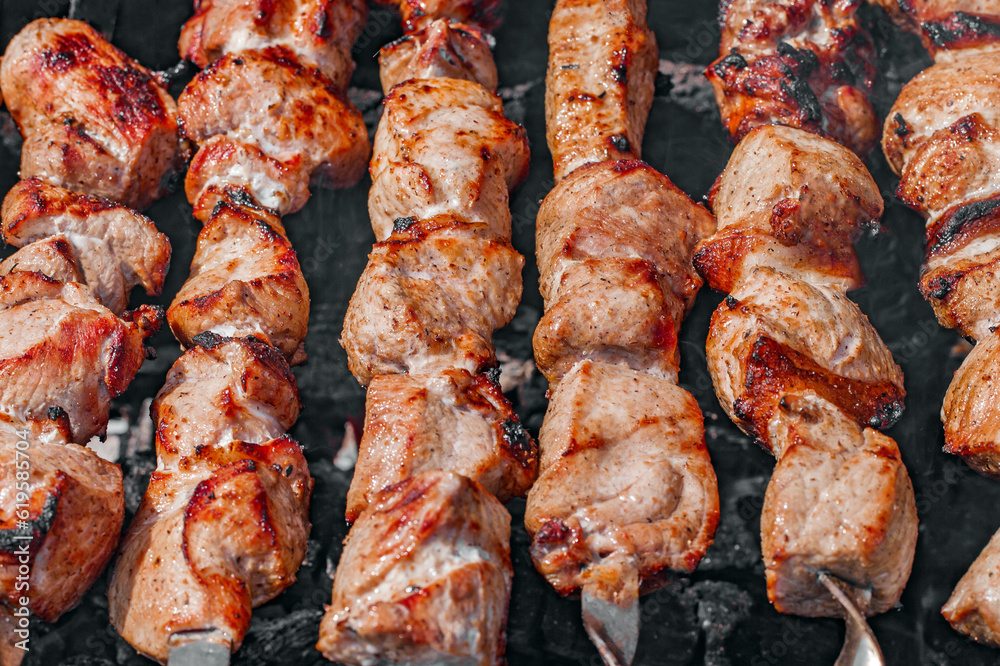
column 426, row 570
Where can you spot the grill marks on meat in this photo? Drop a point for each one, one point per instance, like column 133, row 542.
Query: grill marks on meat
column 93, row 119
column 245, row 280
column 75, row 507
column 224, row 523
column 949, row 29
column 97, row 242
column 290, row 120
column 599, row 85
column 425, row 575
column 451, row 420
column 941, row 136
column 947, row 159
column 424, row 578
column 626, row 490
column 441, row 50
column 803, row 63
column 320, row 32
column 798, row 366
column 443, row 147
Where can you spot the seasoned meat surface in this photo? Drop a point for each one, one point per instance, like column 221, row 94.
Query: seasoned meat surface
column 294, row 114
column 429, row 300
column 972, row 608
column 448, row 420
column 840, row 501
column 62, row 354
column 624, row 474
column 804, row 63
column 75, row 509
column 792, row 201
column 223, row 526
column 776, row 334
column 443, row 147
column 245, row 280
column 418, row 14
column 320, row 32
column 114, row 248
column 93, row 119
column 441, row 50
column 424, row 578
column 599, row 84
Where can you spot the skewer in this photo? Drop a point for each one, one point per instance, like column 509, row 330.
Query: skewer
column 199, row 648
column 794, row 362
column 861, row 648
column 614, row 242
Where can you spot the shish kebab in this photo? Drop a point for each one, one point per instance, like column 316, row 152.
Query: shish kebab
column 794, row 362
column 224, row 523
column 941, row 137
column 425, row 576
column 626, row 490
column 100, row 134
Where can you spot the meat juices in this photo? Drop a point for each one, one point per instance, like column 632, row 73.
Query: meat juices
column 425, row 575
column 941, row 137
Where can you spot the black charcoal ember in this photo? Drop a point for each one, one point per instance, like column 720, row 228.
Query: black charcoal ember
column 290, row 639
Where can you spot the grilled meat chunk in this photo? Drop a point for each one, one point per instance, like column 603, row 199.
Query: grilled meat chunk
column 222, row 391
column 599, row 84
column 804, row 63
column 229, row 170
column 292, row 113
column 448, row 420
column 320, row 32
column 53, row 257
column 948, row 28
column 970, row 415
column 223, row 526
column 798, row 366
column 624, row 474
column 839, row 501
column 443, row 146
column 430, row 300
column 616, row 228
column 792, row 201
column 245, row 280
column 776, row 335
column 113, row 247
column 972, row 608
column 418, row 14
column 74, row 513
column 63, row 354
column 441, row 50
column 936, row 99
column 425, row 577
column 93, row 119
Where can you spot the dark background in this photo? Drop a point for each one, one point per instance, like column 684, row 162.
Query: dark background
column 719, row 615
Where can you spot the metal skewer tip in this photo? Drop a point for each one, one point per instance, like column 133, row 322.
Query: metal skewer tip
column 610, row 606
column 199, row 648
column 860, row 646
